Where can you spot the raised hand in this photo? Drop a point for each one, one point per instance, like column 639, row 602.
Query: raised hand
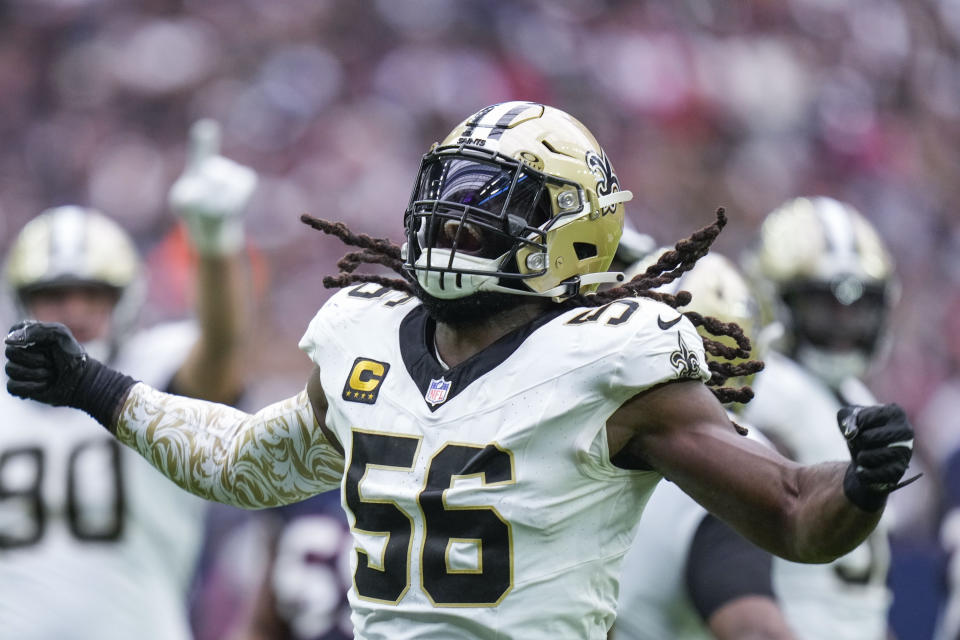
column 880, row 439
column 212, row 192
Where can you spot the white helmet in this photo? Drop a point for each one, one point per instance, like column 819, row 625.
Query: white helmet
column 72, row 245
column 832, row 278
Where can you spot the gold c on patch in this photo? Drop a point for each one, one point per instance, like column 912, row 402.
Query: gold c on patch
column 363, row 383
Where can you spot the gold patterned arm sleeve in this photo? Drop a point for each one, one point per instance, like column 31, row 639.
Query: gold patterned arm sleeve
column 274, row 457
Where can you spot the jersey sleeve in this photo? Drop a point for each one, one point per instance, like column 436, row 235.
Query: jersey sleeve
column 664, row 347
column 351, row 314
column 327, row 322
column 276, row 456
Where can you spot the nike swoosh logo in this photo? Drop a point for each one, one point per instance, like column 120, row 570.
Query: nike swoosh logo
column 666, row 325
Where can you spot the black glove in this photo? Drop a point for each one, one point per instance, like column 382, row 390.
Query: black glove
column 46, row 363
column 880, row 440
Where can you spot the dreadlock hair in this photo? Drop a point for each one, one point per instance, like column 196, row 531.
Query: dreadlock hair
column 372, row 251
column 670, row 266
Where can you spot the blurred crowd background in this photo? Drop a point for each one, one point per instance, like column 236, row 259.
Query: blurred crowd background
column 699, row 104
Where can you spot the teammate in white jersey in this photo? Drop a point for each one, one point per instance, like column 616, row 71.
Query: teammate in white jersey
column 94, row 543
column 833, row 279
column 494, row 428
column 689, row 575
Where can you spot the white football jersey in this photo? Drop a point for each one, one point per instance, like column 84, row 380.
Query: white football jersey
column 481, row 498
column 94, row 543
column 846, row 599
column 654, row 601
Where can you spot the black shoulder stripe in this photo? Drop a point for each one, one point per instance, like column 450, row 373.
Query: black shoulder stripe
column 507, row 118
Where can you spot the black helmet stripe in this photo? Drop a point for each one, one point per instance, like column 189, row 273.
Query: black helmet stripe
column 491, row 122
column 507, row 118
column 477, row 117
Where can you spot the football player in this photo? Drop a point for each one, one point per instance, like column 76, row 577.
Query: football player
column 832, row 279
column 94, row 543
column 494, row 428
column 690, row 575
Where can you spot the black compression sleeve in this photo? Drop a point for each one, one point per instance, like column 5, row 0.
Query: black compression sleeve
column 723, row 566
column 100, row 392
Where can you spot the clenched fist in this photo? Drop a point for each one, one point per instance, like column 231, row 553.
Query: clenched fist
column 880, row 439
column 47, row 364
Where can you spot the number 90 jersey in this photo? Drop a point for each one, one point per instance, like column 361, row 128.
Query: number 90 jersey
column 481, row 498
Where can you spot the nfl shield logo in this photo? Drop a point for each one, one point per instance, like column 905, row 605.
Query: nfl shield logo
column 437, row 393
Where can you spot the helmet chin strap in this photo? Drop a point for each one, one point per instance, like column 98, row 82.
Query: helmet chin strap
column 565, row 289
column 450, row 285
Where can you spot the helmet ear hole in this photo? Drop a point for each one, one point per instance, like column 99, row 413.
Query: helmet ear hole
column 585, row 250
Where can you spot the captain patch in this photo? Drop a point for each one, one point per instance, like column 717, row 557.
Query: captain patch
column 363, row 383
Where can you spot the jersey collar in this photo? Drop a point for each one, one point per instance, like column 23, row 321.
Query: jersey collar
column 416, row 340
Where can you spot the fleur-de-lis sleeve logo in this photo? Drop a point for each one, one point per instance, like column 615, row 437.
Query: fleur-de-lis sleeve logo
column 607, row 181
column 685, row 361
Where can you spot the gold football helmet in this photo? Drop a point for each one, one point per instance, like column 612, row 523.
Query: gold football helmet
column 831, row 278
column 518, row 198
column 71, row 245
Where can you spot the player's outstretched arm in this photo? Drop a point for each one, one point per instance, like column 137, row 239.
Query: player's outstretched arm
column 210, row 197
column 276, row 456
column 801, row 513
